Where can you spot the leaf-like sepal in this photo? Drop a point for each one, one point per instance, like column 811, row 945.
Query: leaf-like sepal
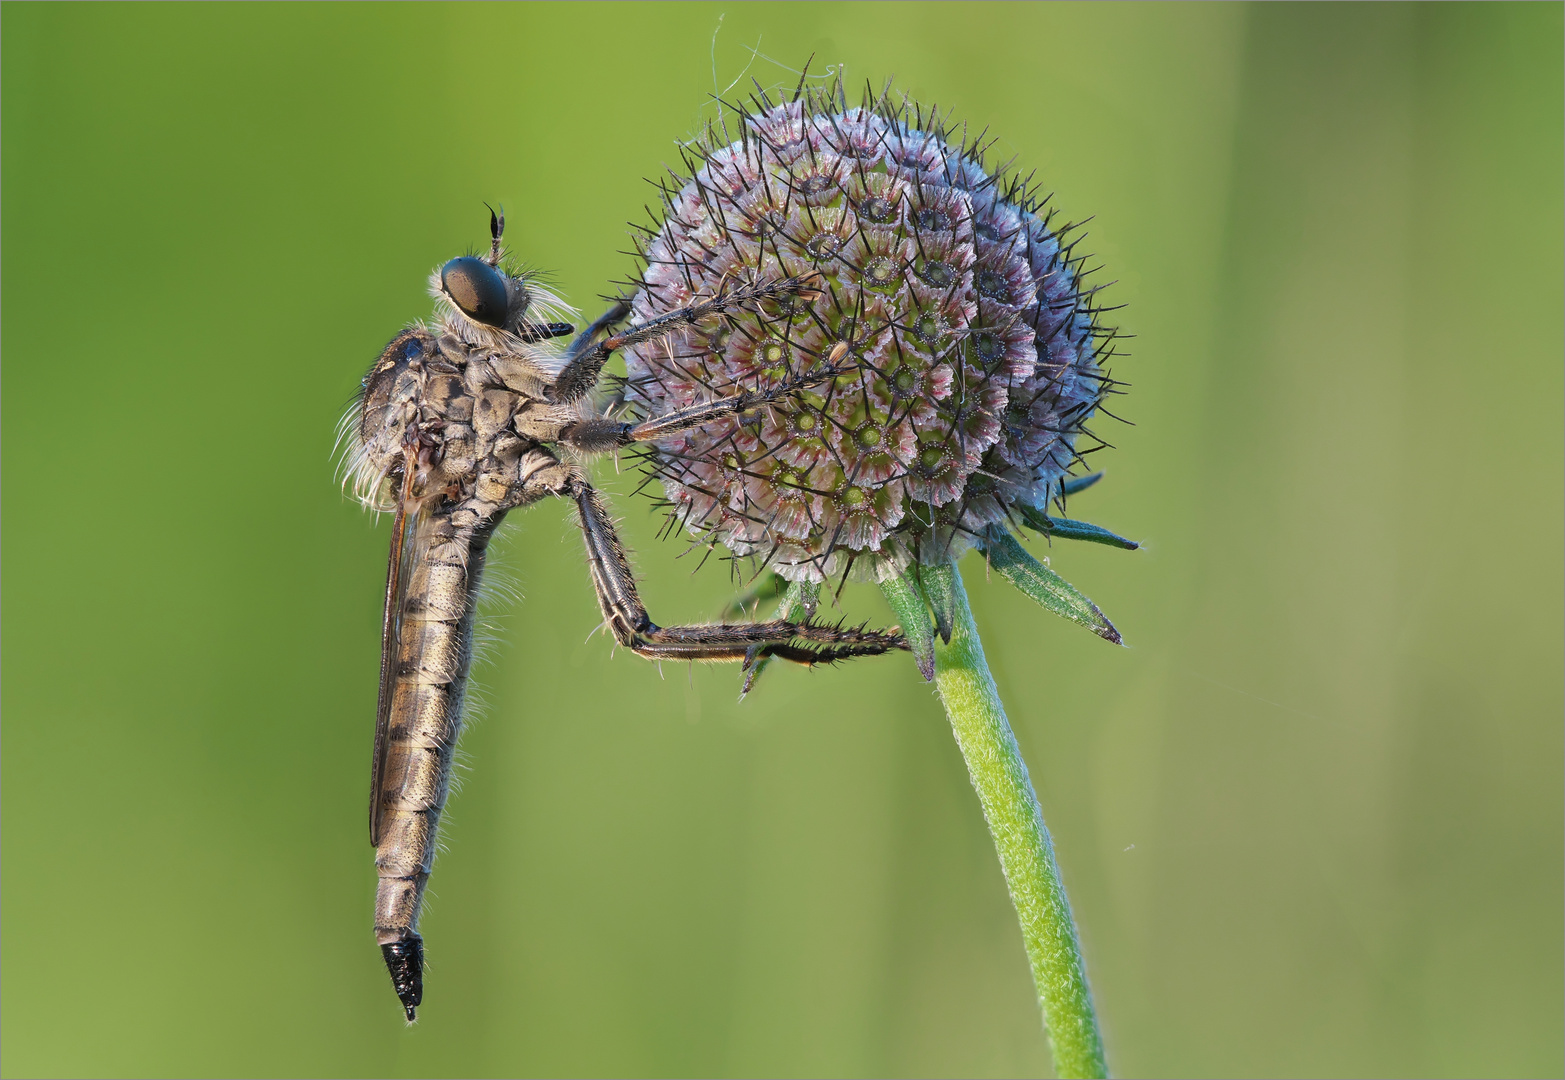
column 939, row 583
column 769, row 586
column 1066, row 529
column 1044, row 585
column 1073, row 484
column 912, row 612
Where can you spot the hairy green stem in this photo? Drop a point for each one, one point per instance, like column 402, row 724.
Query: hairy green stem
column 994, row 762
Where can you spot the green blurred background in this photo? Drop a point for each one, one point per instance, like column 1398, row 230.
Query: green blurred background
column 1311, row 821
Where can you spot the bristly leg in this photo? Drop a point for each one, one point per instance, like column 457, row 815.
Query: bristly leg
column 600, row 434
column 801, row 642
column 584, row 363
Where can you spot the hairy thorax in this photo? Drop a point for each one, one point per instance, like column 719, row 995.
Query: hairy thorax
column 471, row 411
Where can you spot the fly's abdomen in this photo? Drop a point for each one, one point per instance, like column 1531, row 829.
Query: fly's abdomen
column 434, row 653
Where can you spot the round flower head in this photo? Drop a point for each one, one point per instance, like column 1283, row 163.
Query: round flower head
column 937, row 371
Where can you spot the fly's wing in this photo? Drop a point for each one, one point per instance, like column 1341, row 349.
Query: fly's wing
column 399, row 572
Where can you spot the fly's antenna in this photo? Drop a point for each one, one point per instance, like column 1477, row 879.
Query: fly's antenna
column 496, row 230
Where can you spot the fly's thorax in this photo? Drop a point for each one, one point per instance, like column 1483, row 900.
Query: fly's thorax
column 444, row 397
column 464, row 415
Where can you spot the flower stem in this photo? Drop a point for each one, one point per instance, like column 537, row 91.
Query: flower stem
column 994, row 762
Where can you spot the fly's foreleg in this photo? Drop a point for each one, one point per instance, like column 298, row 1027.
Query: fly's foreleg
column 801, row 642
column 600, row 434
column 584, row 362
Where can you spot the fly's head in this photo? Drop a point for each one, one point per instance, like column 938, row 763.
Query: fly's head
column 492, row 306
column 438, row 405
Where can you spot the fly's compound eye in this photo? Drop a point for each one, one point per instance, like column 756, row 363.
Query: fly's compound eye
column 477, row 288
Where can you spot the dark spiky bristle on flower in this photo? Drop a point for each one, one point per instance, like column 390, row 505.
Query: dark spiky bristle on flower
column 947, row 354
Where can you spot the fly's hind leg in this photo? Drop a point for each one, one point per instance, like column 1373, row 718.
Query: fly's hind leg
column 801, row 642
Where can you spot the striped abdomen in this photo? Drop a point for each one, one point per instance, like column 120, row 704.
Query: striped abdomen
column 429, row 683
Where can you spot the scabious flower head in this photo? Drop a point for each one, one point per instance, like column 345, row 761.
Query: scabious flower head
column 965, row 347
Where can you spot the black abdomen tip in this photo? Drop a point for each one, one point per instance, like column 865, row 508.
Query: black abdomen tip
column 405, row 961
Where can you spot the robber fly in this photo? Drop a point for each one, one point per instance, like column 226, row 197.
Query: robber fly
column 461, row 420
